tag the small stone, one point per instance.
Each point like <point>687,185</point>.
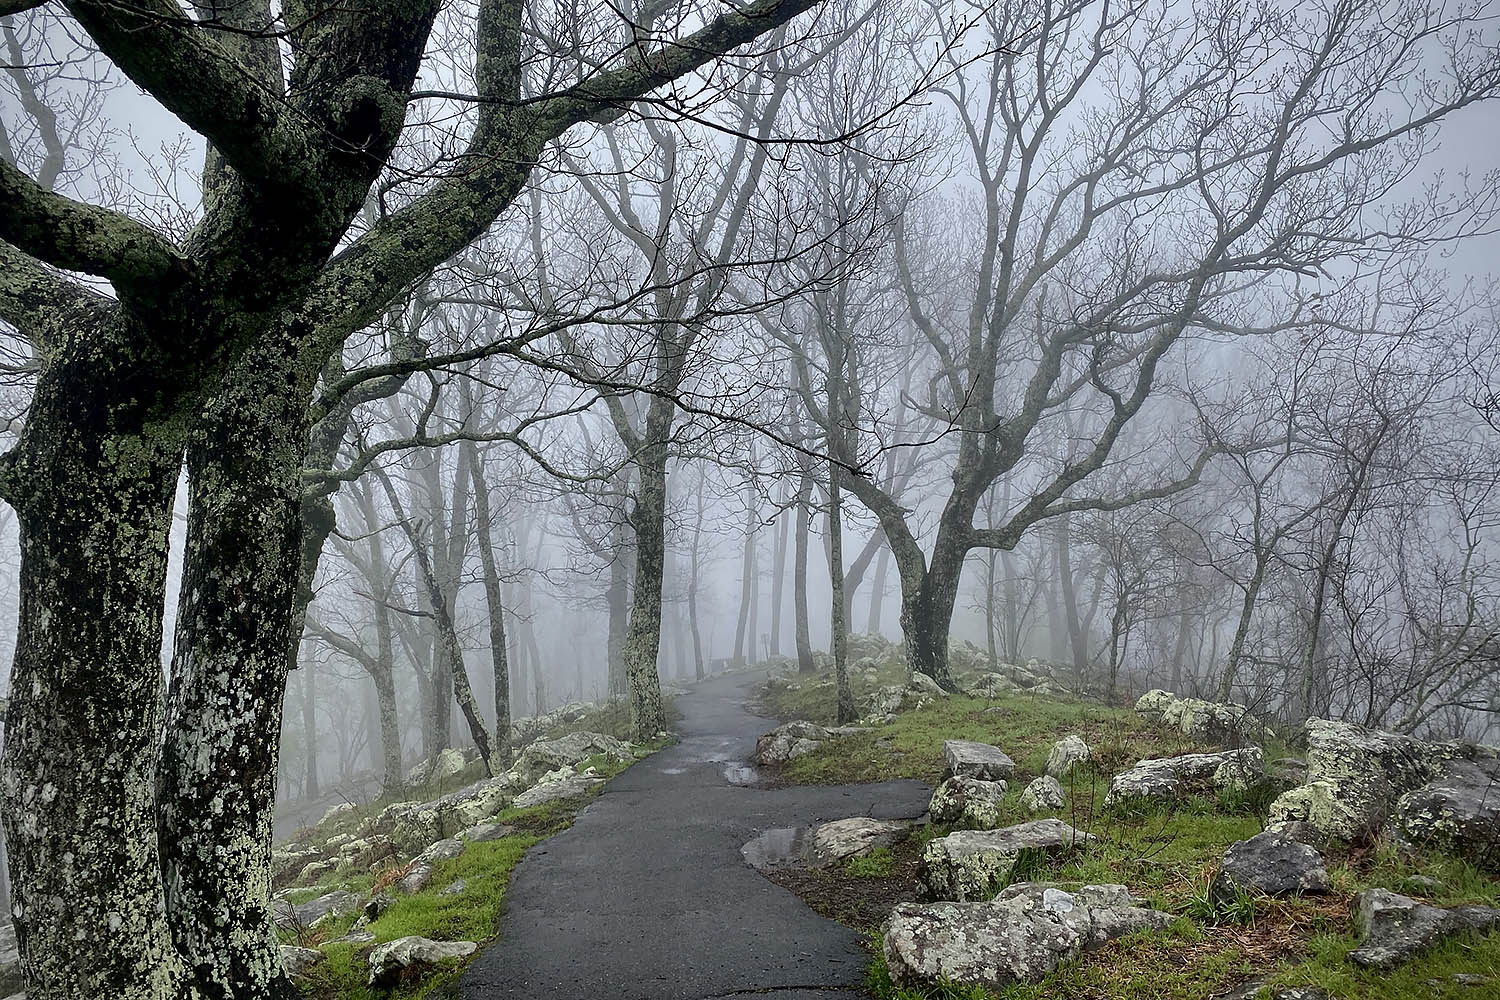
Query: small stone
<point>1042,795</point>
<point>483,833</point>
<point>1066,752</point>
<point>376,905</point>
<point>416,880</point>
<point>1394,927</point>
<point>443,850</point>
<point>454,888</point>
<point>853,837</point>
<point>296,961</point>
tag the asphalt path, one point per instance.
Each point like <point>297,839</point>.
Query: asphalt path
<point>646,896</point>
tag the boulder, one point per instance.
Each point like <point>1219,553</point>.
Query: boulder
<point>1042,795</point>
<point>1271,863</point>
<point>1172,777</point>
<point>1355,777</point>
<point>1458,811</point>
<point>567,751</point>
<point>789,741</point>
<point>483,833</point>
<point>391,960</point>
<point>1152,706</point>
<point>1065,753</point>
<point>416,878</point>
<point>361,855</point>
<point>970,865</point>
<point>286,864</point>
<point>853,837</point>
<point>884,701</point>
<point>969,802</point>
<point>1023,934</point>
<point>1217,722</point>
<point>443,850</point>
<point>992,685</point>
<point>967,759</point>
<point>923,684</point>
<point>1394,927</point>
<point>314,911</point>
<point>315,871</point>
<point>576,787</point>
<point>376,906</point>
<point>296,961</point>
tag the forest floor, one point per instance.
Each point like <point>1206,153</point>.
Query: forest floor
<point>1168,855</point>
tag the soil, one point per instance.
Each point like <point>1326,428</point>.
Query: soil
<point>859,901</point>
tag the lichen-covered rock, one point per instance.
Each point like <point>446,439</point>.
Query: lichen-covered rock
<point>309,914</point>
<point>361,855</point>
<point>853,837</point>
<point>1219,722</point>
<point>1026,932</point>
<point>455,888</point>
<point>1066,752</point>
<point>967,759</point>
<point>390,960</point>
<point>416,879</point>
<point>575,787</point>
<point>287,864</point>
<point>1458,811</point>
<point>335,811</point>
<point>376,905</point>
<point>443,765</point>
<point>483,833</point>
<point>1270,863</point>
<point>567,751</point>
<point>884,701</point>
<point>315,871</point>
<point>789,741</point>
<point>296,961</point>
<point>1043,795</point>
<point>442,850</point>
<point>1173,777</point>
<point>968,802</point>
<point>970,865</point>
<point>1393,928</point>
<point>1354,778</point>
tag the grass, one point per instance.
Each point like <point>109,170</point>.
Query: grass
<point>1166,853</point>
<point>471,915</point>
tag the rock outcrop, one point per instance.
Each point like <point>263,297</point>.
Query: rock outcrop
<point>567,751</point>
<point>969,865</point>
<point>1394,928</point>
<point>574,786</point>
<point>1219,722</point>
<point>1173,777</point>
<point>1027,931</point>
<point>1360,781</point>
<point>1270,863</point>
<point>309,914</point>
<point>968,802</point>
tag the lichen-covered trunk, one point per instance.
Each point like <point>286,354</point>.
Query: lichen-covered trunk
<point>643,638</point>
<point>92,481</point>
<point>217,780</point>
<point>617,598</point>
<point>927,615</point>
<point>805,664</point>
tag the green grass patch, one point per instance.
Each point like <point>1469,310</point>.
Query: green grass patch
<point>879,863</point>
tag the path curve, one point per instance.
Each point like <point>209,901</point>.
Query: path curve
<point>646,896</point>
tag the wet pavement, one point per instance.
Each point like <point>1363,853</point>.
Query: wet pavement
<point>647,895</point>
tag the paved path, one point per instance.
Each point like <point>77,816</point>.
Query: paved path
<point>646,896</point>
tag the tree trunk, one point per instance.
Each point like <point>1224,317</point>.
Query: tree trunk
<point>840,639</point>
<point>989,611</point>
<point>778,590</point>
<point>310,788</point>
<point>217,780</point>
<point>805,663</point>
<point>692,595</point>
<point>927,614</point>
<point>643,640</point>
<point>493,600</point>
<point>1076,638</point>
<point>747,576</point>
<point>92,481</point>
<point>1242,630</point>
<point>617,598</point>
<point>877,593</point>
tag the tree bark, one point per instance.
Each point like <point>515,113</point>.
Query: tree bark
<point>494,600</point>
<point>747,576</point>
<point>846,713</point>
<point>778,590</point>
<point>648,519</point>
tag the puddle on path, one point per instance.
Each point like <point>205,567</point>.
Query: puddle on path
<point>742,774</point>
<point>781,847</point>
